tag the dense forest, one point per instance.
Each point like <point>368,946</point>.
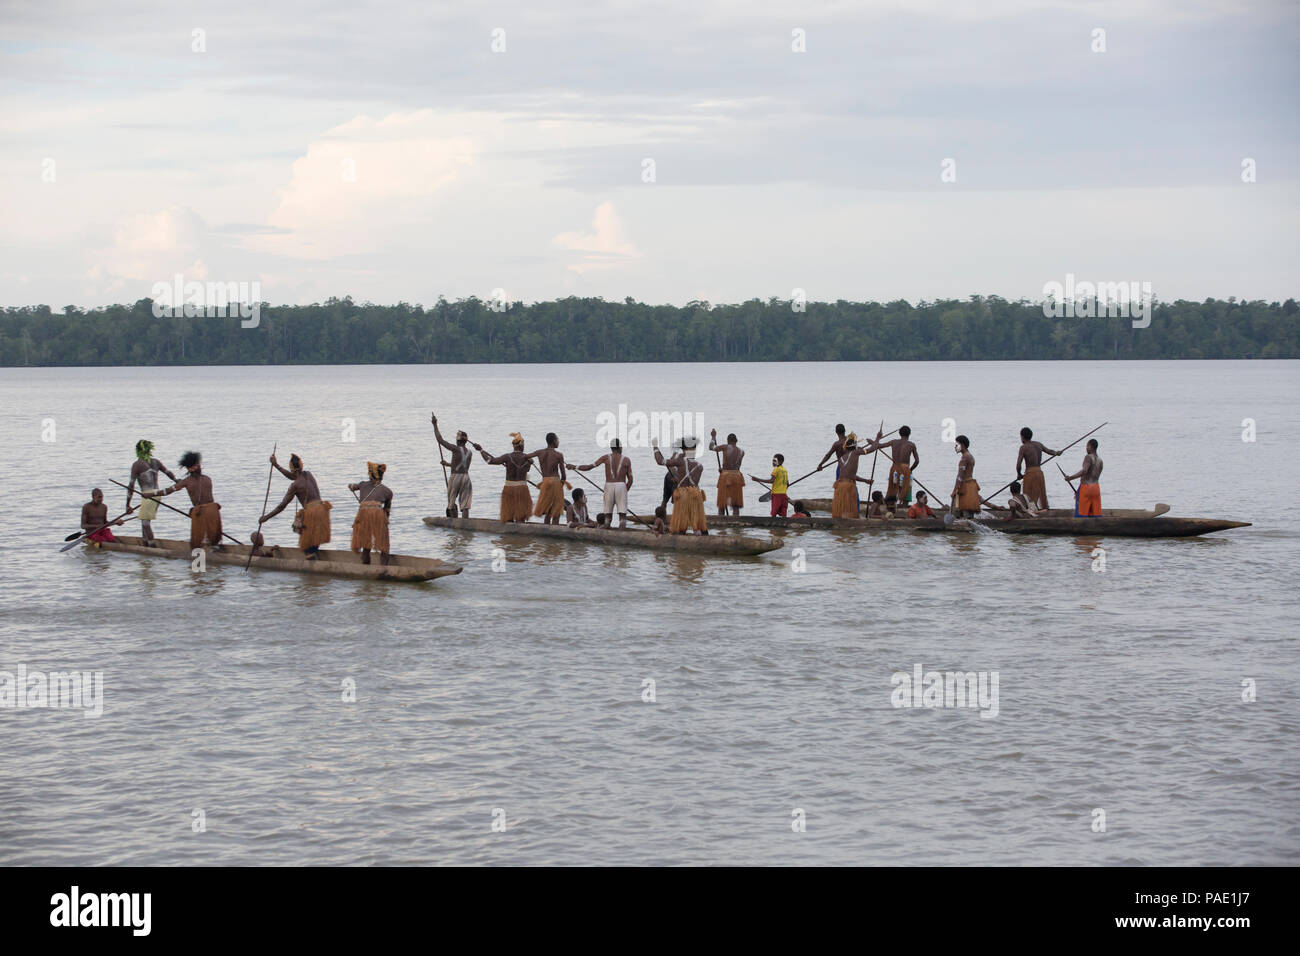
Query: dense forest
<point>341,331</point>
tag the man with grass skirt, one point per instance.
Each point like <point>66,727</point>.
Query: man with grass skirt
<point>312,521</point>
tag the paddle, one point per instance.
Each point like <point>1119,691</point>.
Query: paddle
<point>75,538</point>
<point>1072,488</point>
<point>265,500</point>
<point>186,514</point>
<point>446,480</point>
<point>1048,458</point>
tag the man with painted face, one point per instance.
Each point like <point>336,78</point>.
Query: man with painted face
<point>618,482</point>
<point>145,470</point>
<point>731,483</point>
<point>965,490</point>
<point>312,522</point>
<point>460,490</point>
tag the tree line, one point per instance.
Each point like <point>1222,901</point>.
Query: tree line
<point>343,332</point>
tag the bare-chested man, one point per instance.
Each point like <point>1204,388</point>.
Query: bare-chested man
<point>205,513</point>
<point>1029,467</point>
<point>1018,503</point>
<point>145,470</point>
<point>903,459</point>
<point>550,498</point>
<point>731,483</point>
<point>1088,504</point>
<point>618,482</point>
<point>94,518</point>
<point>516,499</point>
<point>312,521</point>
<point>688,497</point>
<point>576,512</point>
<point>835,452</point>
<point>846,504</point>
<point>965,490</point>
<point>370,527</point>
<point>460,490</point>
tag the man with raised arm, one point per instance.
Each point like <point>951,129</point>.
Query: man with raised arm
<point>145,470</point>
<point>618,482</point>
<point>688,497</point>
<point>516,499</point>
<point>312,520</point>
<point>731,483</point>
<point>460,490</point>
<point>550,499</point>
<point>903,459</point>
<point>846,503</point>
<point>1029,468</point>
<point>205,515</point>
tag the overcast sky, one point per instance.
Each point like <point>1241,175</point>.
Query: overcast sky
<point>386,152</point>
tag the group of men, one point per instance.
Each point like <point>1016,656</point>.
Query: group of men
<point>311,519</point>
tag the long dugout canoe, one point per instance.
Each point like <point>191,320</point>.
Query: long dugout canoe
<point>824,504</point>
<point>720,544</point>
<point>1102,526</point>
<point>345,564</point>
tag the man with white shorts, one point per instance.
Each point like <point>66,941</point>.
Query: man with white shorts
<point>618,481</point>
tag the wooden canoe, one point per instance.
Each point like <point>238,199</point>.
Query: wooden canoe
<point>1102,526</point>
<point>400,567</point>
<point>824,504</point>
<point>720,544</point>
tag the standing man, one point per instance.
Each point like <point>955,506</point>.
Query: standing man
<point>731,483</point>
<point>312,522</point>
<point>618,482</point>
<point>516,499</point>
<point>205,513</point>
<point>780,486</point>
<point>965,490</point>
<point>688,497</point>
<point>903,459</point>
<point>550,499</point>
<point>1088,504</point>
<point>846,504</point>
<point>460,490</point>
<point>837,449</point>
<point>1029,467</point>
<point>145,470</point>
<point>370,527</point>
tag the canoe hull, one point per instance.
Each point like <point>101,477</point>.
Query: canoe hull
<point>1110,527</point>
<point>344,564</point>
<point>824,504</point>
<point>715,544</point>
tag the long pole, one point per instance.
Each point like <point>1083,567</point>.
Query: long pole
<point>1048,458</point>
<point>270,470</point>
<point>185,514</point>
<point>584,477</point>
<point>76,539</point>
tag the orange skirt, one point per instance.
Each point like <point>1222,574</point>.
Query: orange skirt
<point>845,503</point>
<point>969,498</point>
<point>1089,501</point>
<point>315,524</point>
<point>516,502</point>
<point>550,500</point>
<point>370,528</point>
<point>205,524</point>
<point>731,490</point>
<point>1034,487</point>
<point>688,511</point>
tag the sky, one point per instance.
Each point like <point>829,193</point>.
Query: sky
<point>674,151</point>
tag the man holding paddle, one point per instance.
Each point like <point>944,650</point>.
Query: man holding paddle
<point>312,522</point>
<point>550,496</point>
<point>94,519</point>
<point>1088,502</point>
<point>731,483</point>
<point>370,527</point>
<point>205,513</point>
<point>618,482</point>
<point>145,470</point>
<point>688,497</point>
<point>1031,458</point>
<point>903,459</point>
<point>460,490</point>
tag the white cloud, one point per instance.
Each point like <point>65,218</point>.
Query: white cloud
<point>604,247</point>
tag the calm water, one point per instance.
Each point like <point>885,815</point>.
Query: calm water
<point>522,690</point>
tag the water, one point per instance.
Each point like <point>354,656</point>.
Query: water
<point>521,691</point>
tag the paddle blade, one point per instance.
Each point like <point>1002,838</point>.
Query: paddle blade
<point>765,497</point>
<point>69,547</point>
<point>78,534</point>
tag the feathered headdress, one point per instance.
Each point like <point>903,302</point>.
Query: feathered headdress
<point>191,459</point>
<point>376,470</point>
<point>144,449</point>
<point>295,463</point>
<point>517,439</point>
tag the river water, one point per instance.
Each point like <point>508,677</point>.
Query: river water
<point>517,697</point>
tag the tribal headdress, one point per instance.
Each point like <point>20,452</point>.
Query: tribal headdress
<point>517,439</point>
<point>295,463</point>
<point>191,459</point>
<point>376,470</point>
<point>144,449</point>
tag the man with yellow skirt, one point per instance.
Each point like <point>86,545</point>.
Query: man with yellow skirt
<point>312,522</point>
<point>966,490</point>
<point>205,515</point>
<point>688,496</point>
<point>370,527</point>
<point>550,499</point>
<point>845,504</point>
<point>731,483</point>
<point>516,500</point>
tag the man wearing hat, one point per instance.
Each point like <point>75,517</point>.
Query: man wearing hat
<point>845,504</point>
<point>370,527</point>
<point>618,482</point>
<point>688,496</point>
<point>145,470</point>
<point>516,499</point>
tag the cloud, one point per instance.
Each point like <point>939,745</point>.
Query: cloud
<point>154,245</point>
<point>604,247</point>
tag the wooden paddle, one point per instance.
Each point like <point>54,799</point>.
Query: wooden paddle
<point>1072,488</point>
<point>186,514</point>
<point>768,496</point>
<point>75,538</point>
<point>265,500</point>
<point>1047,459</point>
